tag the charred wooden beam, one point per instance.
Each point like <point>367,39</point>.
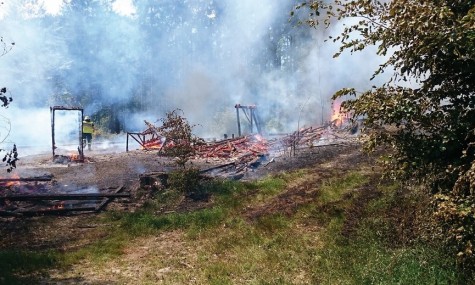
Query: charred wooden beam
<point>106,200</point>
<point>9,214</point>
<point>219,167</point>
<point>64,196</point>
<point>138,137</point>
<point>27,179</point>
<point>53,211</point>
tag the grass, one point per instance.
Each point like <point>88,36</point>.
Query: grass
<point>333,189</point>
<point>13,264</point>
<point>144,222</point>
<point>220,246</point>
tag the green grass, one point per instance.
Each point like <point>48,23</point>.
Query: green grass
<point>367,261</point>
<point>144,222</point>
<point>304,248</point>
<point>276,250</point>
<point>333,189</point>
<point>15,263</point>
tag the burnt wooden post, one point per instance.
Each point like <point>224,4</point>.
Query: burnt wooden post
<point>250,114</point>
<point>52,130</point>
<point>127,142</point>
<point>237,106</point>
<point>81,142</point>
<point>251,111</point>
<point>256,122</point>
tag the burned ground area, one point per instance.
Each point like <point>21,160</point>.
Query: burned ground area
<point>69,230</point>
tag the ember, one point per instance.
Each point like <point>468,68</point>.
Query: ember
<point>10,182</point>
<point>75,157</point>
<point>338,117</point>
<point>17,204</point>
<point>65,159</point>
<point>148,139</point>
<point>154,143</point>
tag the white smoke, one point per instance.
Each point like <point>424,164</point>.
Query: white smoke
<point>199,56</point>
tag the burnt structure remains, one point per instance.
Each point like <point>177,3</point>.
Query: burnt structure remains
<point>80,148</point>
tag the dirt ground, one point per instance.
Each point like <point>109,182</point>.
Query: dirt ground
<point>103,170</point>
<point>111,170</point>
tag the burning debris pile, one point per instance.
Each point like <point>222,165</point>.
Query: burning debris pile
<point>238,155</point>
<point>236,149</point>
<point>234,157</point>
<point>318,136</point>
<point>28,196</point>
<point>71,158</point>
<point>149,139</point>
<point>304,137</point>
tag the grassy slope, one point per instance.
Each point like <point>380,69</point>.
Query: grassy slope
<point>304,227</point>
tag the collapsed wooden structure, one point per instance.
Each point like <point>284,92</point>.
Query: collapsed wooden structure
<point>147,139</point>
<point>32,200</point>
<point>251,145</point>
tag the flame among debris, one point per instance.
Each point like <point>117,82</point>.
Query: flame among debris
<point>154,143</point>
<point>57,206</point>
<point>339,117</point>
<point>75,157</point>
<point>11,181</point>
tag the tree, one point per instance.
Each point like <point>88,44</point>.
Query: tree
<point>179,139</point>
<point>180,143</point>
<point>424,115</point>
<point>11,156</point>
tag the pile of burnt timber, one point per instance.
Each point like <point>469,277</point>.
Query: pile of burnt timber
<point>48,203</point>
<point>237,155</point>
<point>305,136</point>
<point>242,149</point>
<point>315,136</point>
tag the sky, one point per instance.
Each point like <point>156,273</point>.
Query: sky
<point>201,56</point>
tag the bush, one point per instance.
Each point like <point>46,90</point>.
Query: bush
<point>187,181</point>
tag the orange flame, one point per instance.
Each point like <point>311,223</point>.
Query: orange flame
<point>153,144</point>
<point>338,116</point>
<point>74,157</point>
<point>13,182</point>
<point>58,206</point>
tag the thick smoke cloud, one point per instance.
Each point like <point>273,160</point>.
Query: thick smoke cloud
<point>143,58</point>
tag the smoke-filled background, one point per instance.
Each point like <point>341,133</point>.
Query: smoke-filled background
<point>127,61</point>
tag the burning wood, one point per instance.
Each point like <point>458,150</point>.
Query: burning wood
<point>46,177</point>
<point>63,196</point>
<point>149,139</point>
<point>65,159</point>
<point>248,152</point>
<point>236,148</point>
<point>242,149</point>
<point>34,204</point>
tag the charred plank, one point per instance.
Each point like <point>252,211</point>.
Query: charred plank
<point>64,196</point>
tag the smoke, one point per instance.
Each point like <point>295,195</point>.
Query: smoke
<point>140,59</point>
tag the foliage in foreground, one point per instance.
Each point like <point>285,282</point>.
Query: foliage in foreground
<point>11,156</point>
<point>424,115</point>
